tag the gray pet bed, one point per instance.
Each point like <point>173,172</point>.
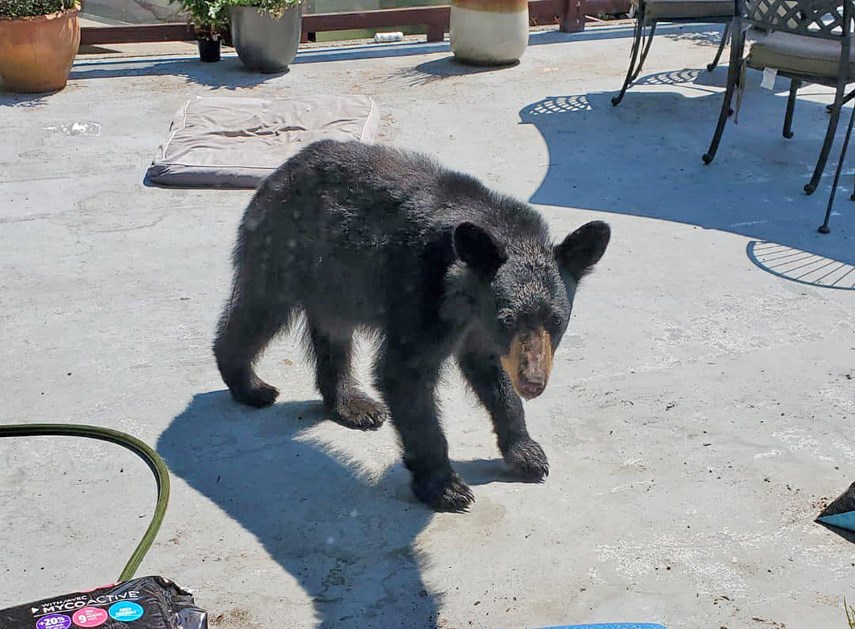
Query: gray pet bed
<point>235,142</point>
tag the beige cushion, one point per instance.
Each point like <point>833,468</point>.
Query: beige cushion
<point>799,54</point>
<point>685,9</point>
<point>236,141</point>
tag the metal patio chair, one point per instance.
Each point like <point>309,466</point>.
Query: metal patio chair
<point>651,12</point>
<point>824,228</point>
<point>804,40</point>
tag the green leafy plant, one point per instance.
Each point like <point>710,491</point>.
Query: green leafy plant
<point>208,17</point>
<point>850,614</point>
<point>273,8</point>
<point>33,8</point>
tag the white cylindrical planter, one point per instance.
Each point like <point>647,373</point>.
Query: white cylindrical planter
<point>489,32</point>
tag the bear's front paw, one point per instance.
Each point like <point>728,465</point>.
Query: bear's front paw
<point>527,460</point>
<point>359,411</point>
<point>448,493</point>
<point>256,393</point>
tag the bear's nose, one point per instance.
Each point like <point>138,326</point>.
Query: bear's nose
<point>530,390</point>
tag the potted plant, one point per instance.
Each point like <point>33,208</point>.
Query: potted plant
<point>265,33</point>
<point>209,19</point>
<point>38,42</point>
<point>488,32</point>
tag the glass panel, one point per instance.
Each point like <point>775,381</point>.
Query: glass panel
<point>343,6</point>
<point>157,11</point>
<point>119,12</point>
<point>123,12</point>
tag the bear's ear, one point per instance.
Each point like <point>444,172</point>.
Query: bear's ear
<point>582,249</point>
<point>478,250</point>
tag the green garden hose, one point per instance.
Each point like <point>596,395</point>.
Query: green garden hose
<point>145,452</point>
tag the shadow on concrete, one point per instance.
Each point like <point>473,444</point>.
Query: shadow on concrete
<point>13,99</point>
<point>229,73</point>
<point>800,266</point>
<point>707,34</point>
<point>710,36</point>
<point>439,69</point>
<point>379,51</point>
<point>643,158</point>
<point>348,539</point>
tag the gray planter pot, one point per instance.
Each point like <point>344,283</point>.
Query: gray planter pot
<point>263,43</point>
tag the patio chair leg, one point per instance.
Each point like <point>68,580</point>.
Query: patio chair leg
<point>824,229</point>
<point>846,99</point>
<point>722,120</point>
<point>724,37</point>
<point>645,51</point>
<point>795,84</point>
<point>810,187</point>
<point>733,71</point>
<point>633,55</point>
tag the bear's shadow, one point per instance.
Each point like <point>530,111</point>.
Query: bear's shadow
<point>348,540</point>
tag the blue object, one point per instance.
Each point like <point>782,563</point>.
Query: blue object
<point>841,512</point>
<point>619,625</point>
<point>840,520</point>
<point>126,611</point>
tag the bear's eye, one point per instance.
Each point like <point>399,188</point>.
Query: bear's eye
<point>556,320</point>
<point>507,319</point>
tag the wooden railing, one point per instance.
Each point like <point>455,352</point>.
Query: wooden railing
<point>569,14</point>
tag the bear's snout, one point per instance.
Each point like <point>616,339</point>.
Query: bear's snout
<point>530,390</point>
<point>529,362</point>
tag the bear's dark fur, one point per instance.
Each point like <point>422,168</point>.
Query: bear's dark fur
<point>360,236</point>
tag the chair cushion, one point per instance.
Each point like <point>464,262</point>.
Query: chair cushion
<point>685,9</point>
<point>799,54</point>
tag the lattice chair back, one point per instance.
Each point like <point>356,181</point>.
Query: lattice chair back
<point>826,19</point>
<point>767,15</point>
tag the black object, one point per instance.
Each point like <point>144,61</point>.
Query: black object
<point>824,228</point>
<point>209,50</point>
<point>145,603</point>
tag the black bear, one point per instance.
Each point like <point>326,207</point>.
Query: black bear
<point>359,236</point>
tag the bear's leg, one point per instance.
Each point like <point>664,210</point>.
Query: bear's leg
<point>408,384</point>
<point>495,391</point>
<point>350,406</point>
<point>247,325</point>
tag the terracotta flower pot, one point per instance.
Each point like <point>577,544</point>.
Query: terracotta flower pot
<point>36,53</point>
<point>489,32</point>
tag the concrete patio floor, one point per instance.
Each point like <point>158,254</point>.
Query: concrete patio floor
<point>700,413</point>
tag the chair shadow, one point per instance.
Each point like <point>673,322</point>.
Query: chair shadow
<point>346,538</point>
<point>710,36</point>
<point>698,79</point>
<point>643,158</point>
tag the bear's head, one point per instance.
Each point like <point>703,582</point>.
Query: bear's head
<point>523,292</point>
